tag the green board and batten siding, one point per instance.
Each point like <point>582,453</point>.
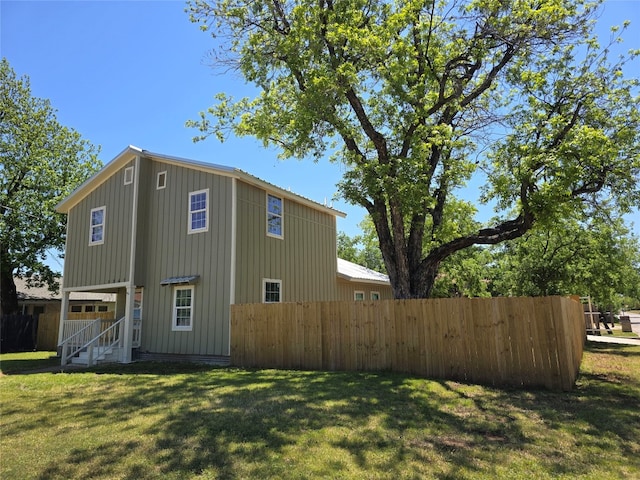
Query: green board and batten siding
<point>304,259</point>
<point>107,263</point>
<point>171,251</point>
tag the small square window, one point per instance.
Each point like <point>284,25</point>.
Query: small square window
<point>274,216</point>
<point>96,229</point>
<point>358,295</point>
<point>161,181</point>
<point>198,211</point>
<point>272,290</point>
<point>76,308</point>
<point>128,175</point>
<point>103,308</point>
<point>375,295</point>
<point>89,308</point>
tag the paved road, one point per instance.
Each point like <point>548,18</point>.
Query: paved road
<point>635,326</point>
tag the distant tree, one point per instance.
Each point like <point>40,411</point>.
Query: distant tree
<point>416,98</point>
<point>361,249</point>
<point>41,162</point>
<point>465,274</point>
<point>599,258</point>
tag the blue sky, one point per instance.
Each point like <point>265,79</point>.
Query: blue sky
<point>133,72</point>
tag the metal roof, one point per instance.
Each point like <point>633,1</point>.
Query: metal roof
<point>132,151</point>
<point>184,279</point>
<point>357,273</point>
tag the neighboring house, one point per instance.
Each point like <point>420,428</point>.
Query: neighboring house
<point>178,241</point>
<point>356,282</point>
<point>36,300</point>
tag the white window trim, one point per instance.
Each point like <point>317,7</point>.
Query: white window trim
<point>269,234</point>
<point>206,210</point>
<point>164,184</point>
<point>174,316</point>
<point>128,175</point>
<point>355,295</point>
<point>264,289</point>
<point>103,224</point>
<point>372,293</point>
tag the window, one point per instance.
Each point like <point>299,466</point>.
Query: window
<point>137,304</point>
<point>375,295</point>
<point>89,308</point>
<point>274,216</point>
<point>103,308</point>
<point>272,290</point>
<point>199,211</point>
<point>76,308</point>
<point>358,295</point>
<point>182,308</point>
<point>128,175</point>
<point>96,231</point>
<point>161,180</point>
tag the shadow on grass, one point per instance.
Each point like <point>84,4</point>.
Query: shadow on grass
<point>21,366</point>
<point>233,423</point>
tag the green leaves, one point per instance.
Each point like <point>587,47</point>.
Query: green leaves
<point>416,97</point>
<point>41,162</point>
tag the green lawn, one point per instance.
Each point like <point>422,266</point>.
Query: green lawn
<point>181,421</point>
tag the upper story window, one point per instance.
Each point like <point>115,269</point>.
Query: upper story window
<point>358,295</point>
<point>161,180</point>
<point>199,211</point>
<point>96,229</point>
<point>274,216</point>
<point>375,295</point>
<point>128,175</point>
<point>272,290</point>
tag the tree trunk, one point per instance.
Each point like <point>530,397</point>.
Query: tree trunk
<point>8,294</point>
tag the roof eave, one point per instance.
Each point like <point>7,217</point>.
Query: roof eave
<point>90,184</point>
<point>363,280</point>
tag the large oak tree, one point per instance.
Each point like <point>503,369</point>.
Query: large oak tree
<point>41,162</point>
<point>416,97</point>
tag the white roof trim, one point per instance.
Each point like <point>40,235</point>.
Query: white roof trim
<point>353,272</point>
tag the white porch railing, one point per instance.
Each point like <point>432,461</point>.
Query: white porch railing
<point>95,336</point>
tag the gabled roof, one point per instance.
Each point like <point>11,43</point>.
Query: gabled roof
<point>43,294</point>
<point>131,152</point>
<point>353,272</point>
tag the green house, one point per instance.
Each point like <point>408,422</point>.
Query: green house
<point>179,241</point>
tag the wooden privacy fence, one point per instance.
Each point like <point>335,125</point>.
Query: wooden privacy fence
<point>495,341</point>
<point>49,323</point>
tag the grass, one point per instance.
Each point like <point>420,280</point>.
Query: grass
<point>183,421</point>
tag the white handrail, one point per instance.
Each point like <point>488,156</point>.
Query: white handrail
<point>78,340</point>
<point>104,340</point>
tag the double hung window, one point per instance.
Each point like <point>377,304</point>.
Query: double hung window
<point>274,216</point>
<point>199,211</point>
<point>183,308</point>
<point>96,229</point>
